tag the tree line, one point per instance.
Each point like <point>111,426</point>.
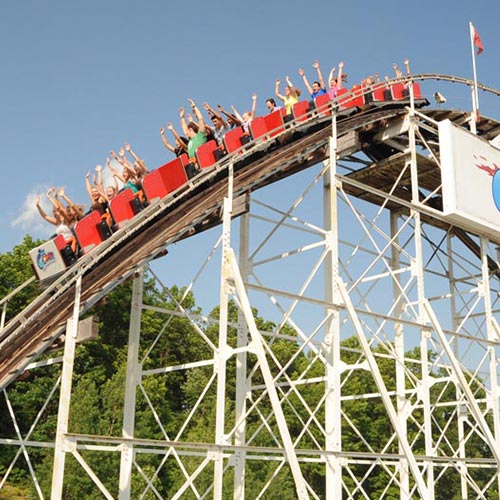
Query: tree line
<point>164,404</point>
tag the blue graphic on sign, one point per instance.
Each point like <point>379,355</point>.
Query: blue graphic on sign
<point>44,259</point>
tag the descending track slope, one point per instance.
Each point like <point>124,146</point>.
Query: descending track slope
<point>199,205</point>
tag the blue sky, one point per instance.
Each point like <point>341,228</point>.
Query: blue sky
<point>81,78</point>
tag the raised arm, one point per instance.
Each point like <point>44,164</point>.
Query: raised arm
<point>77,210</point>
<point>52,197</point>
<point>122,160</point>
<point>116,157</point>
<point>254,104</point>
<point>120,177</point>
<point>212,111</point>
<point>232,116</point>
<point>131,172</point>
<point>113,173</point>
<point>306,81</point>
<point>65,197</point>
<point>237,114</point>
<point>141,166</point>
<point>125,163</point>
<point>277,90</point>
<point>199,116</point>
<point>340,74</point>
<point>99,185</point>
<point>165,141</point>
<point>88,184</point>
<point>331,75</point>
<point>129,149</point>
<point>42,212</point>
<point>294,91</point>
<point>116,174</point>
<point>56,202</point>
<point>407,66</point>
<point>182,116</point>
<point>320,75</point>
<point>101,192</point>
<point>181,141</point>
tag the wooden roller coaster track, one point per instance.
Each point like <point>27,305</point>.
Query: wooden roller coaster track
<point>198,206</point>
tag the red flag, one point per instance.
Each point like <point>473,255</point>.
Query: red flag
<point>477,41</point>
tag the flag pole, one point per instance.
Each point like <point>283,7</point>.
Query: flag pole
<point>475,97</point>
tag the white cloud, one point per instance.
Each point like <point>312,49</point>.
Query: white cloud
<point>28,218</point>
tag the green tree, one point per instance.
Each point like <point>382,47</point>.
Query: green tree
<point>164,401</point>
<point>15,269</point>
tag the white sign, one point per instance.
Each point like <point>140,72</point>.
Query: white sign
<point>471,180</point>
<point>47,260</point>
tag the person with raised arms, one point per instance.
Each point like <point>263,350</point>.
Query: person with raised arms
<point>318,86</point>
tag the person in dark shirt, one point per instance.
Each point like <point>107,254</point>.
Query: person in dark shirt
<point>98,202</point>
<point>232,120</point>
<point>180,146</point>
<point>271,105</point>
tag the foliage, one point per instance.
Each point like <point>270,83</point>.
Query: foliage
<point>16,269</point>
<point>170,406</point>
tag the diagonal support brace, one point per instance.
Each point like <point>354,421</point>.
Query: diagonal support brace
<point>386,399</point>
<point>464,386</point>
<point>290,454</point>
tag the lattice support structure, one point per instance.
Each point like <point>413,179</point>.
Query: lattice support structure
<point>62,445</point>
<point>131,383</point>
<point>376,374</point>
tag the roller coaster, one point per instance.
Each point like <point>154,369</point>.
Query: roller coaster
<point>379,153</point>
